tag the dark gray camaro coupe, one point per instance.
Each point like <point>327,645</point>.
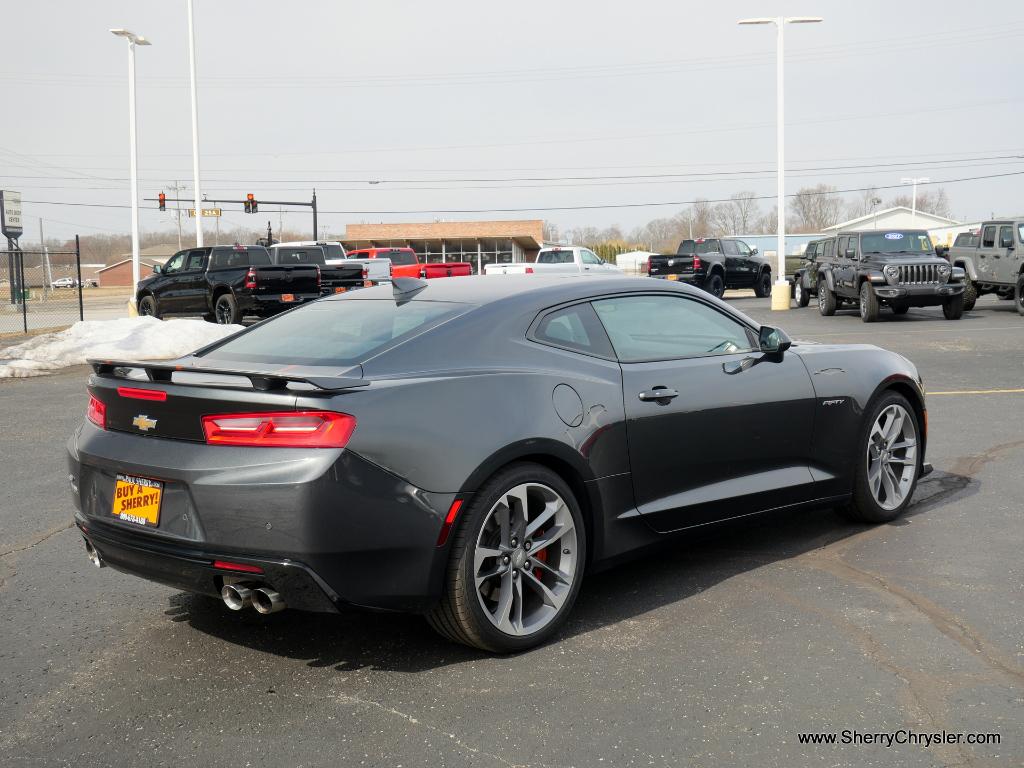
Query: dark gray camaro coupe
<point>468,448</point>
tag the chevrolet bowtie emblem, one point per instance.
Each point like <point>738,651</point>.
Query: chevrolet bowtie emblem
<point>143,422</point>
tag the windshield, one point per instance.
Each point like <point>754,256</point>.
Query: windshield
<point>401,258</point>
<point>899,241</point>
<point>698,246</point>
<point>1020,233</point>
<point>333,251</point>
<point>300,255</point>
<point>554,257</point>
<point>335,333</point>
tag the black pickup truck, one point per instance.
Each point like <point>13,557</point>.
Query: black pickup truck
<point>224,283</point>
<point>714,264</point>
<point>334,278</point>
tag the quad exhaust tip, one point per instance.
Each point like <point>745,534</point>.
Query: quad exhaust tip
<point>266,600</point>
<point>236,596</point>
<point>94,555</point>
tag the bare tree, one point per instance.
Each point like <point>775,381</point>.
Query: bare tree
<point>815,208</point>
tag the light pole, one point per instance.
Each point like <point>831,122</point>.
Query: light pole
<point>780,290</point>
<point>133,40</point>
<point>196,190</point>
<point>913,194</point>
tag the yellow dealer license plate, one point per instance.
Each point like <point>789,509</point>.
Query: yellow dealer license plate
<point>137,500</point>
<point>287,297</point>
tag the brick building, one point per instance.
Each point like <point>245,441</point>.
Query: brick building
<point>118,271</point>
<point>478,242</point>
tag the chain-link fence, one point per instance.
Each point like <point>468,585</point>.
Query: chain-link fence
<point>39,290</point>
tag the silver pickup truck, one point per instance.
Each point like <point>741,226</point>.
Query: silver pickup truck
<point>556,260</point>
<point>993,260</point>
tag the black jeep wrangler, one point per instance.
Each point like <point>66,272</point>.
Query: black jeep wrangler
<point>898,269</point>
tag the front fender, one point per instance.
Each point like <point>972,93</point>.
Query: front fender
<point>967,265</point>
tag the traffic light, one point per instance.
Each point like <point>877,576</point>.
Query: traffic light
<point>163,201</point>
<point>251,205</point>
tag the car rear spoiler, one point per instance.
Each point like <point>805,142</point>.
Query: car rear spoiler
<point>262,380</point>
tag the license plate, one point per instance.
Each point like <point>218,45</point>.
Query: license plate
<point>340,290</point>
<point>287,297</point>
<point>671,277</point>
<point>137,500</point>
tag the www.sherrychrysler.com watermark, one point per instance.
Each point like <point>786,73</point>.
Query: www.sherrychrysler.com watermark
<point>890,739</point>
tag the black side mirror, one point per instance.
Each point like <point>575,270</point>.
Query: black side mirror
<point>753,251</point>
<point>773,340</point>
<point>157,269</point>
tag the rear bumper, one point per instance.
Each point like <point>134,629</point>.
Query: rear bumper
<point>272,304</point>
<point>692,278</point>
<point>334,528</point>
<point>919,295</point>
<point>191,570</point>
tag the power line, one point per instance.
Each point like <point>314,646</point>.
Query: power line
<point>579,207</point>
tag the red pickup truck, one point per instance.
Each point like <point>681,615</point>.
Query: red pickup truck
<point>405,262</point>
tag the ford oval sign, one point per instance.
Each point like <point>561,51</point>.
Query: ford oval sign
<point>893,235</point>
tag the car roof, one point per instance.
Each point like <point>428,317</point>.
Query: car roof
<point>538,290</point>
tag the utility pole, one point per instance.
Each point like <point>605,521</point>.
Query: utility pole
<point>913,195</point>
<point>178,189</point>
<point>47,271</point>
<point>316,230</point>
<point>196,190</point>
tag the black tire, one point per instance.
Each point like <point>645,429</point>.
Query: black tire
<point>900,309</point>
<point>715,285</point>
<point>953,308</point>
<point>763,284</point>
<point>801,295</point>
<point>225,310</point>
<point>1018,295</point>
<point>148,307</point>
<point>868,303</point>
<point>826,298</point>
<point>863,507</point>
<point>970,294</point>
<point>459,616</point>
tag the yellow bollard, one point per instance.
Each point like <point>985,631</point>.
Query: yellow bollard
<point>132,310</point>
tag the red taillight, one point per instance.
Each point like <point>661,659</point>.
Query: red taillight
<point>366,272</point>
<point>449,521</point>
<point>224,565</point>
<point>529,270</point>
<point>696,262</point>
<point>288,429</point>
<point>142,394</point>
<point>97,412</point>
<point>250,278</point>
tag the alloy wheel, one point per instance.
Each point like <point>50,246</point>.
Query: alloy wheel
<point>223,312</point>
<point>892,456</point>
<point>798,292</point>
<point>525,560</point>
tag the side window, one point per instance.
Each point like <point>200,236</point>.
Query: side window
<point>575,327</point>
<point>729,248</point>
<point>196,260</point>
<point>988,237</point>
<point>1006,237</point>
<point>589,257</point>
<point>744,249</point>
<point>669,327</point>
<point>174,263</point>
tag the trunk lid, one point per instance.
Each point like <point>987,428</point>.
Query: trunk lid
<point>278,279</point>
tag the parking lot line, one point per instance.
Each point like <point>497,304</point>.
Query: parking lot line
<point>979,392</point>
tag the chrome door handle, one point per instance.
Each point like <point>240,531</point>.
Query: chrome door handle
<point>658,394</point>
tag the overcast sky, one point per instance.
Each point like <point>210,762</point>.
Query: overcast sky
<point>419,94</point>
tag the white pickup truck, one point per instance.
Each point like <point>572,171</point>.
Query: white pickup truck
<point>557,260</point>
<point>377,270</point>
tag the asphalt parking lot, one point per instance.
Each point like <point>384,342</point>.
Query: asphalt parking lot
<point>717,651</point>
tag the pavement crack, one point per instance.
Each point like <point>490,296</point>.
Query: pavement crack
<point>39,540</point>
<point>971,465</point>
<point>944,620</point>
<point>356,701</point>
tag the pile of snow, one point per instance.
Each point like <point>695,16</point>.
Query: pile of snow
<point>130,338</point>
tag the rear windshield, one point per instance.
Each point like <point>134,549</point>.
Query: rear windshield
<point>703,246</point>
<point>554,257</point>
<point>335,333</point>
<point>401,258</point>
<point>897,241</point>
<point>333,251</point>
<point>307,255</point>
<point>239,256</point>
